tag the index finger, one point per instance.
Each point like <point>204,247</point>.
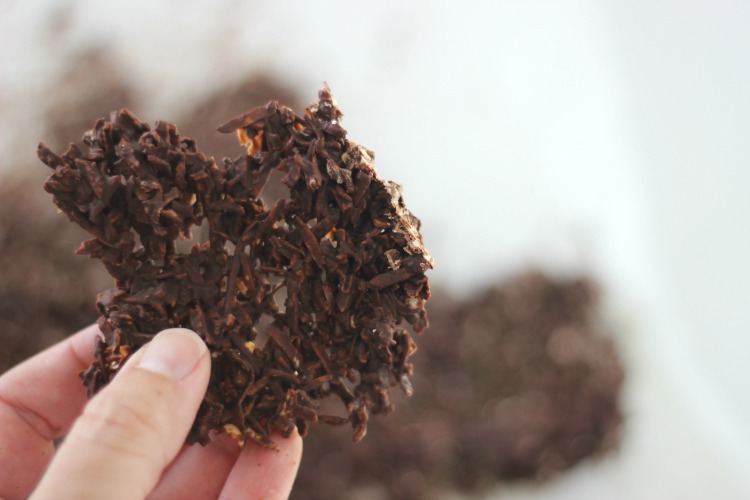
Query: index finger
<point>39,401</point>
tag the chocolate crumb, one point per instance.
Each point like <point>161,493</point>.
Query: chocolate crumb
<point>297,301</point>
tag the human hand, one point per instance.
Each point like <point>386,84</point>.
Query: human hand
<point>128,441</point>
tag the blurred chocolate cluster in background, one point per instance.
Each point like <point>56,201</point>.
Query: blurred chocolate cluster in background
<point>46,291</point>
<point>519,381</point>
<point>515,382</point>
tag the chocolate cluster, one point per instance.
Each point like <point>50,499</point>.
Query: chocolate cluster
<point>297,301</point>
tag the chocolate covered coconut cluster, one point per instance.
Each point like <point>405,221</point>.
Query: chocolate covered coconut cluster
<point>298,301</point>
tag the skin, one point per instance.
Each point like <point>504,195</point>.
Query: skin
<point>128,441</point>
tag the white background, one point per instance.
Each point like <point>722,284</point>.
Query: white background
<point>607,137</point>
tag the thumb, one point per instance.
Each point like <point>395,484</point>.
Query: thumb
<point>132,429</point>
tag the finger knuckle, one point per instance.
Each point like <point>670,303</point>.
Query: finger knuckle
<point>125,422</point>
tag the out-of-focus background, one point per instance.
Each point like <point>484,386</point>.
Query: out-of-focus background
<point>577,138</point>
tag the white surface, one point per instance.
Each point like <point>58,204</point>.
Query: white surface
<point>602,136</point>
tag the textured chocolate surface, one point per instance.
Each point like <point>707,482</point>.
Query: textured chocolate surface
<point>296,301</point>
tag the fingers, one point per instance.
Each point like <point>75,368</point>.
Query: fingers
<point>46,389</point>
<point>264,473</point>
<point>198,472</point>
<point>23,455</point>
<point>201,472</point>
<point>39,400</point>
<point>135,426</point>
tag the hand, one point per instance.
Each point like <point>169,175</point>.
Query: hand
<point>128,441</point>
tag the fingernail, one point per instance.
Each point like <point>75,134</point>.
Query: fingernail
<point>173,353</point>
